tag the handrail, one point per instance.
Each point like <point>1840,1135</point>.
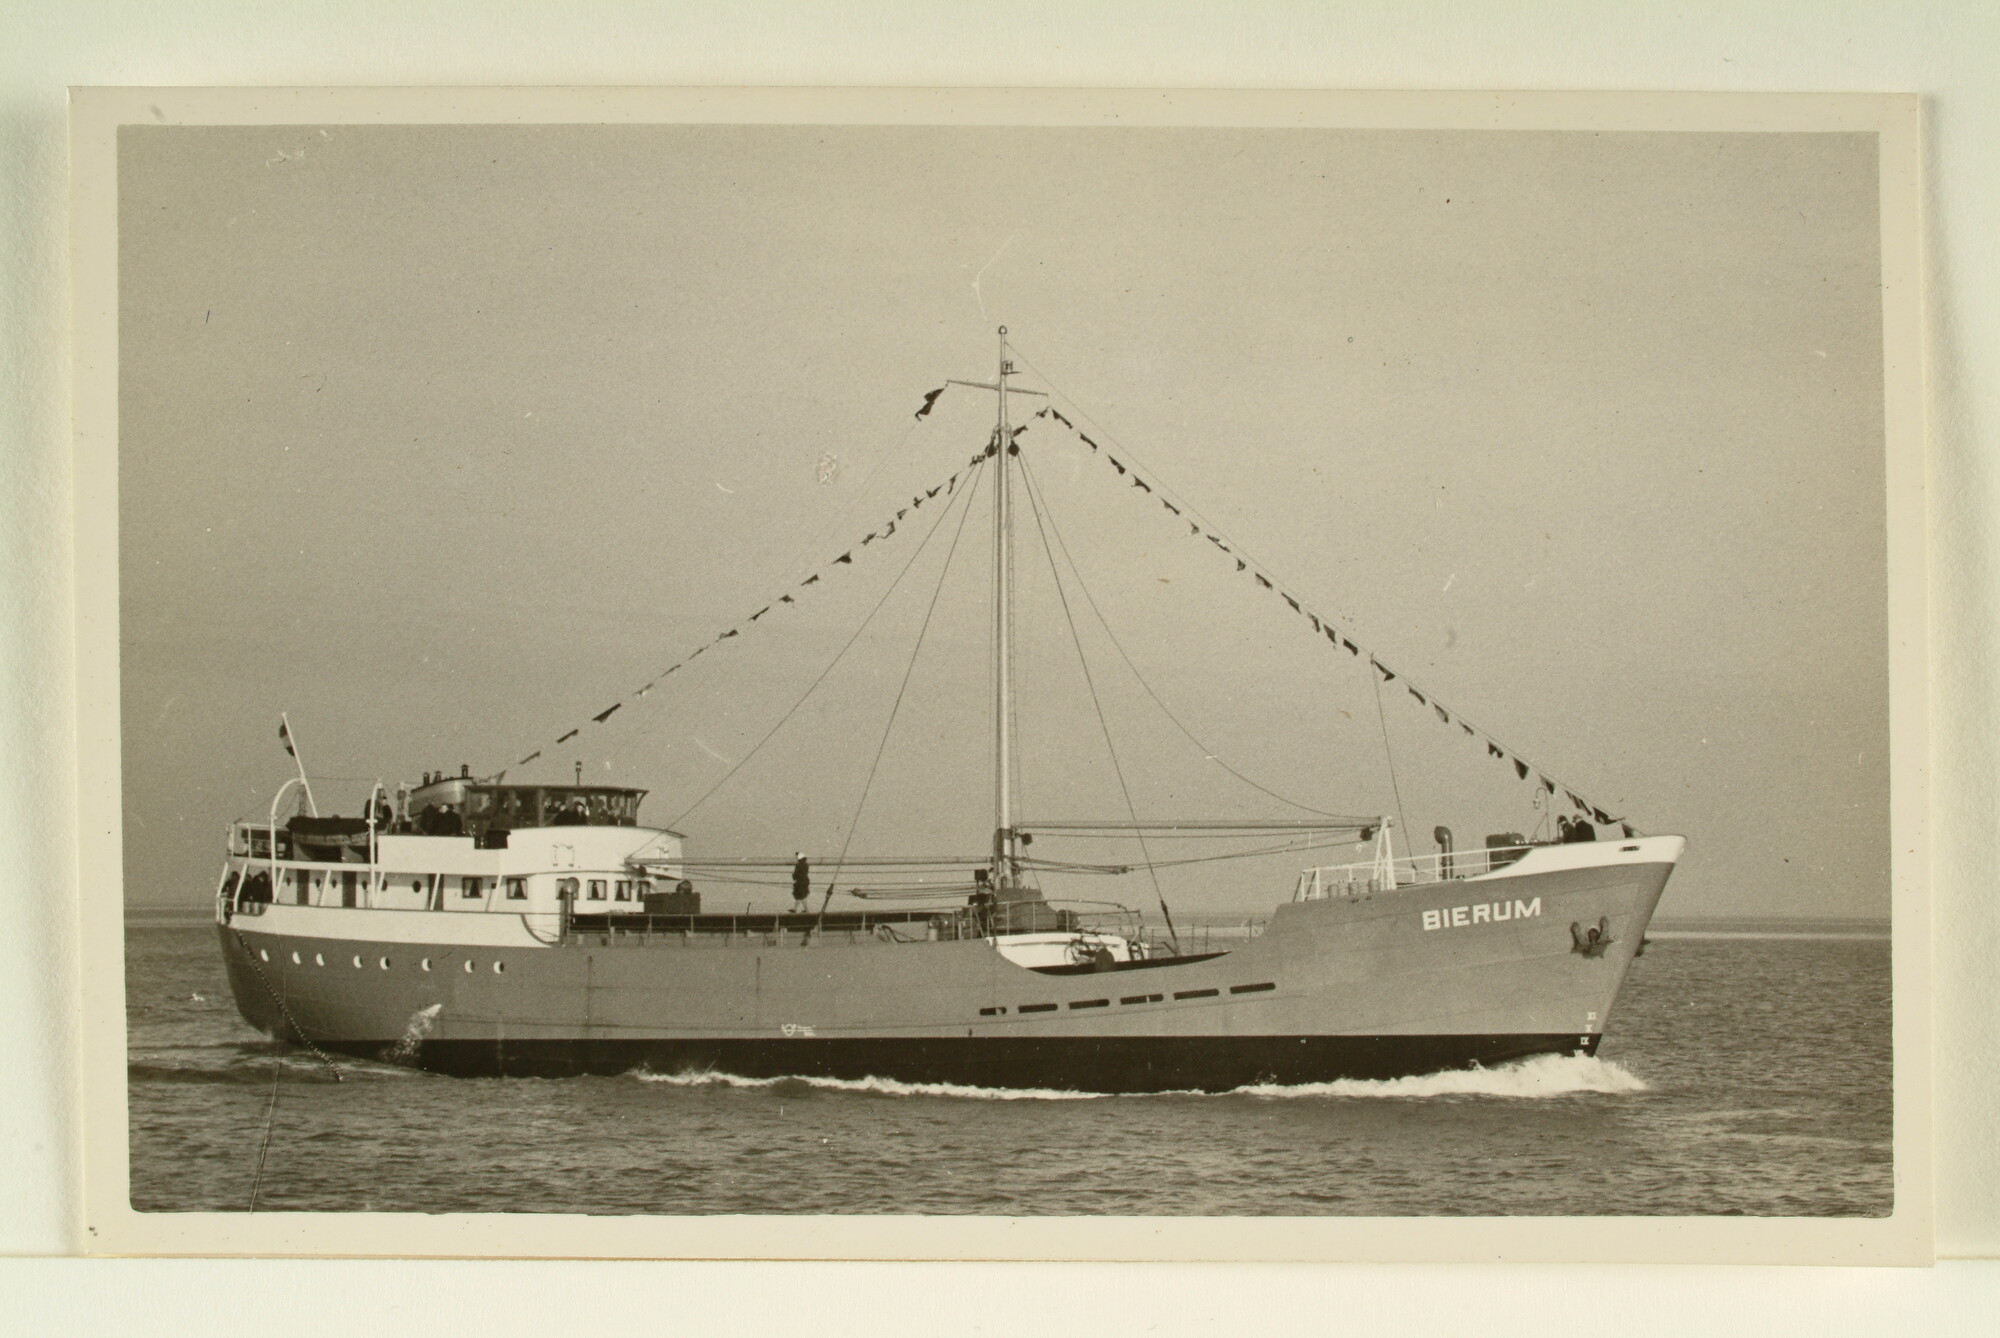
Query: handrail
<point>271,829</point>
<point>1387,871</point>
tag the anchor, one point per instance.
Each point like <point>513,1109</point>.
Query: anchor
<point>1593,941</point>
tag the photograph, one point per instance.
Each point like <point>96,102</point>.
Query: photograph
<point>1223,663</point>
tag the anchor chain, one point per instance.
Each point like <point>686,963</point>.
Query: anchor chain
<point>278,999</point>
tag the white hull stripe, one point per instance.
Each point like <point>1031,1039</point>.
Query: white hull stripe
<point>471,929</point>
<point>1584,855</point>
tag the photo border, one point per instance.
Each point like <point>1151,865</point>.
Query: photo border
<point>111,1226</point>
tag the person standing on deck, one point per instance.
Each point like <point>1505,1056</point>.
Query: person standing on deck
<point>981,902</point>
<point>801,882</point>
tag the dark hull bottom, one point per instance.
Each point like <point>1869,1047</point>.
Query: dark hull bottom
<point>1083,1064</point>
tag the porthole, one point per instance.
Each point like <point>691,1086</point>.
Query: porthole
<point>319,959</point>
<point>425,964</point>
<point>499,968</point>
<point>357,961</point>
<point>264,954</point>
<point>468,966</point>
<point>382,962</point>
<point>295,959</point>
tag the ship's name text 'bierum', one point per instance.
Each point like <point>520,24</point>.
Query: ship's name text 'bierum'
<point>1457,917</point>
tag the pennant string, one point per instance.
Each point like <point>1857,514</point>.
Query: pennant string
<point>883,532</point>
<point>936,524</point>
<point>950,486</point>
<point>1325,625</point>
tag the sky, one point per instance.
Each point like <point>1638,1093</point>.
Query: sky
<point>443,439</point>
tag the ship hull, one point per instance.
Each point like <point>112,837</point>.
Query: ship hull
<point>1414,980</point>
<point>1081,1064</point>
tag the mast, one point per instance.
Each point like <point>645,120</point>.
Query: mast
<point>1003,618</point>
<point>1005,856</point>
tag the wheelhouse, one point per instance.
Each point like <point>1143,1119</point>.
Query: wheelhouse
<point>458,806</point>
<point>518,806</point>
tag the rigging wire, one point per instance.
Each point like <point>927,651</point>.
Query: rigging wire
<point>831,664</point>
<point>1387,752</point>
<point>1031,864</point>
<point>1083,661</point>
<point>277,1066</point>
<point>1108,835</point>
<point>1109,436</point>
<point>1285,849</point>
<point>726,879</point>
<point>908,670</point>
<point>1549,778</point>
<point>270,1122</point>
<point>752,862</point>
<point>601,717</point>
<point>1119,646</point>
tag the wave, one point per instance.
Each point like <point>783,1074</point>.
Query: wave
<point>1539,1077</point>
<point>249,1062</point>
<point>250,1071</point>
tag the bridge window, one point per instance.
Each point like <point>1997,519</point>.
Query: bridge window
<point>645,888</point>
<point>624,889</point>
<point>597,889</point>
<point>1196,994</point>
<point>517,888</point>
<point>471,887</point>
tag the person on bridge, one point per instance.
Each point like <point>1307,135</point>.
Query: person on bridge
<point>801,882</point>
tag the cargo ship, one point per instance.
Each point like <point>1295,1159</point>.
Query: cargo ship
<point>474,926</point>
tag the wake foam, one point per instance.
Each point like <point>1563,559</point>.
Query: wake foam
<point>414,1031</point>
<point>875,1086</point>
<point>1539,1077</point>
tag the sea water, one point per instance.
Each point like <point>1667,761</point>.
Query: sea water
<point>1739,1076</point>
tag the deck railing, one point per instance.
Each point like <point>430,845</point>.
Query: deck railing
<point>1388,871</point>
<point>950,924</point>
